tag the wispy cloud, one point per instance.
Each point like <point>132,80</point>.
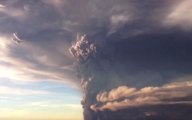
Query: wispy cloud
<point>20,91</point>
<point>21,62</point>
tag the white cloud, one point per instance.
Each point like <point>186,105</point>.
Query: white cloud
<point>181,15</point>
<point>19,13</point>
<point>117,21</point>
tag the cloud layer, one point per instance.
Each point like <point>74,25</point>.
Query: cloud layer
<point>124,97</point>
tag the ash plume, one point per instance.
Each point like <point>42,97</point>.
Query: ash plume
<point>82,49</point>
<point>84,52</point>
<point>131,46</point>
<point>108,95</point>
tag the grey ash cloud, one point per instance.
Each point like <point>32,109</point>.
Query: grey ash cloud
<point>129,44</point>
<point>116,79</point>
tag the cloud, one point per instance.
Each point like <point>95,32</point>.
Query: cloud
<point>125,97</point>
<point>118,21</point>
<point>2,6</point>
<point>27,62</point>
<point>181,15</point>
<point>134,49</point>
<point>47,29</point>
<point>43,53</point>
<point>20,91</point>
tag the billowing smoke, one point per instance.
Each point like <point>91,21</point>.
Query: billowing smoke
<point>83,49</point>
<point>84,52</point>
<point>91,71</point>
<point>109,95</point>
<point>134,63</point>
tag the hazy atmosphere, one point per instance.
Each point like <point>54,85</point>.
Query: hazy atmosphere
<point>95,60</point>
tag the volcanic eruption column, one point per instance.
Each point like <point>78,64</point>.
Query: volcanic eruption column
<point>98,76</point>
<point>87,66</point>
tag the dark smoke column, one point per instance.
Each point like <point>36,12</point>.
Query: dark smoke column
<point>85,54</point>
<point>106,99</point>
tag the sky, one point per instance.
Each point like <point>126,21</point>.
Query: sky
<point>38,100</point>
<point>135,54</point>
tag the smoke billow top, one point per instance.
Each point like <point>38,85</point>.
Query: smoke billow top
<point>83,49</point>
<point>109,96</point>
